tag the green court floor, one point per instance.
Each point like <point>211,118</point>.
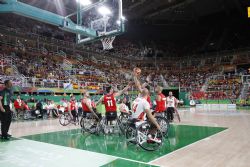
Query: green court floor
<point>116,146</point>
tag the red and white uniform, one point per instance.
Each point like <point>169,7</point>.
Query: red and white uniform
<point>135,103</point>
<point>18,104</point>
<point>72,105</point>
<point>162,104</point>
<point>110,103</point>
<point>93,104</point>
<point>86,102</point>
<point>171,101</point>
<point>25,106</point>
<point>64,107</point>
<point>139,107</point>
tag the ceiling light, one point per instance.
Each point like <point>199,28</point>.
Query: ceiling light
<point>84,2</point>
<point>104,11</point>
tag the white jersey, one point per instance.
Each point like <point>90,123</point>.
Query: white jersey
<point>171,102</point>
<point>135,103</point>
<point>139,107</point>
<point>124,108</point>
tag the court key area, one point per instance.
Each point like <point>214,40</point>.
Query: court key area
<point>74,148</point>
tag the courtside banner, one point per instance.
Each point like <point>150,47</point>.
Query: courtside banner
<point>199,106</point>
<point>231,106</point>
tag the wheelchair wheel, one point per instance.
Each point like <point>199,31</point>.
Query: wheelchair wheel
<point>123,117</point>
<point>104,125</point>
<point>81,121</point>
<point>100,128</point>
<point>88,124</point>
<point>131,135</point>
<point>164,124</point>
<point>121,126</point>
<point>64,119</point>
<point>148,137</point>
<point>14,116</point>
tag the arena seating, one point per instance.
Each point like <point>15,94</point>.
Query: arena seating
<point>36,54</point>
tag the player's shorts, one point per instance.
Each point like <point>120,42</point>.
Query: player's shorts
<point>111,116</point>
<point>170,110</point>
<point>74,113</point>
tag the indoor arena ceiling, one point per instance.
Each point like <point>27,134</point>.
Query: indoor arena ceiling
<point>154,11</point>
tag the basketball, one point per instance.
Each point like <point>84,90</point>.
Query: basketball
<point>137,71</point>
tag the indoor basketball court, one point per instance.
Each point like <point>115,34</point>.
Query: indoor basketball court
<point>124,83</point>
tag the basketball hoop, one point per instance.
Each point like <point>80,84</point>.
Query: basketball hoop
<point>107,42</point>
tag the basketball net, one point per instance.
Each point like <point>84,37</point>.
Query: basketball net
<point>107,43</point>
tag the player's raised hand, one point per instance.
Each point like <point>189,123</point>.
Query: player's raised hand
<point>136,71</point>
<point>148,79</point>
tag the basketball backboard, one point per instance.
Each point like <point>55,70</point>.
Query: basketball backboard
<point>103,16</point>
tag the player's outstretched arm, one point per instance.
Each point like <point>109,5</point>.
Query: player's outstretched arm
<point>138,84</point>
<point>152,119</point>
<point>100,100</point>
<point>91,109</point>
<point>122,91</point>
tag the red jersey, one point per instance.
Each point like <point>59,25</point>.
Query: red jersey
<point>25,106</point>
<point>72,105</point>
<point>18,104</point>
<point>84,105</point>
<point>110,103</point>
<point>93,104</point>
<point>162,104</point>
<point>66,109</point>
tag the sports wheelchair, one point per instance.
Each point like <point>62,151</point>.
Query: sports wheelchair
<point>144,134</point>
<point>163,122</point>
<point>65,118</point>
<point>91,124</point>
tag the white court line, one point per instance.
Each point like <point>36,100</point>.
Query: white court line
<point>164,156</point>
<point>93,152</point>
